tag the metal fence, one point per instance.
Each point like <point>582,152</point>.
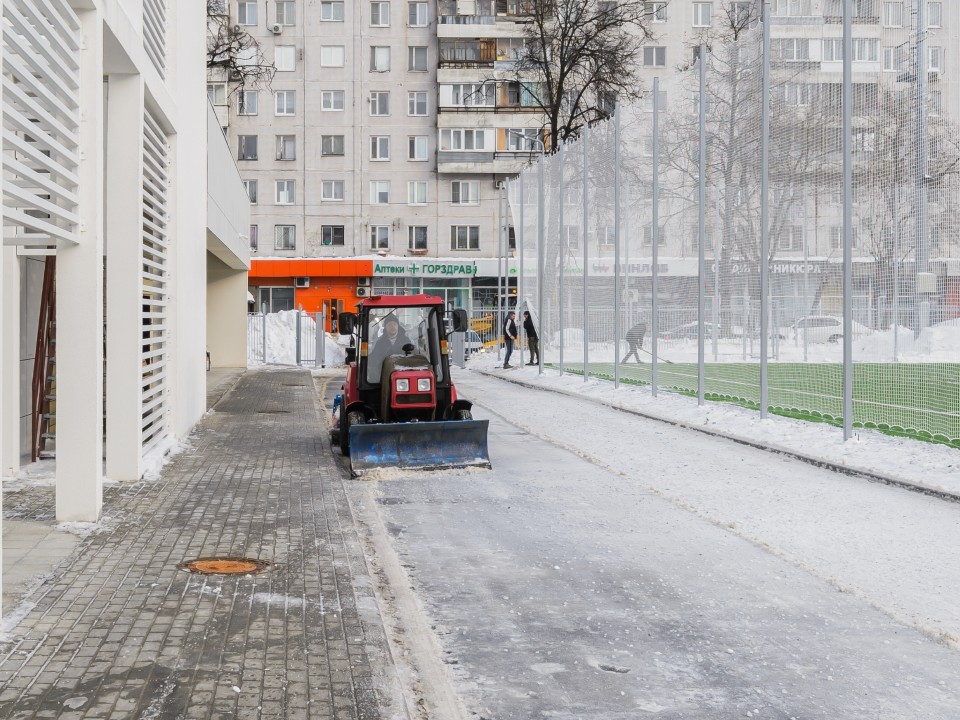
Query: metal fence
<point>290,337</point>
<point>788,237</point>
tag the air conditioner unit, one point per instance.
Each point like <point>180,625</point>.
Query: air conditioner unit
<point>301,282</point>
<point>237,29</point>
<point>276,28</point>
<point>363,292</point>
<point>363,282</point>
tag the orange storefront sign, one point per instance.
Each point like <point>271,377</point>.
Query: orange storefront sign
<point>331,281</point>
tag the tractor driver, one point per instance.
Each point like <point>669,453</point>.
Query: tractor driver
<point>390,343</point>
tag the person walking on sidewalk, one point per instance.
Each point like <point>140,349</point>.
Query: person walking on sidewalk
<point>533,340</point>
<point>635,339</point>
<point>509,337</point>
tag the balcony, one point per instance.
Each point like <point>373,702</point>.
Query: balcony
<point>857,19</point>
<point>468,53</point>
<point>467,20</point>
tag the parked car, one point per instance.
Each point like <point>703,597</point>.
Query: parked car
<point>687,331</point>
<point>824,328</point>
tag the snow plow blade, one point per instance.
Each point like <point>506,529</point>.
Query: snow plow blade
<point>419,445</point>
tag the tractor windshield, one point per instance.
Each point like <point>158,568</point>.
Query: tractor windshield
<point>389,329</point>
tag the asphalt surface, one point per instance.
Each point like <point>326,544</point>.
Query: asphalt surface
<point>560,589</point>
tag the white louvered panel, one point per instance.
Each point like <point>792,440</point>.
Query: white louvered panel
<point>155,33</point>
<point>41,62</point>
<point>154,282</point>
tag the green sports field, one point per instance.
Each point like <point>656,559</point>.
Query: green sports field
<point>914,400</point>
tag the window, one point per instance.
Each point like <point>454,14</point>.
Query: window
<point>284,237</point>
<point>332,190</point>
<point>380,14</point>
<point>285,58</point>
<point>247,102</point>
<point>796,94</point>
<point>416,103</point>
<point>836,236</point>
<point>647,101</point>
<point>331,234</point>
<point>417,14</point>
<point>417,59</point>
<point>286,12</point>
<point>465,192</point>
<point>331,11</point>
<point>464,237</point>
<point>791,8</point>
<point>286,102</point>
<point>417,192</point>
<point>894,59</point>
<point>286,147</point>
<point>893,14</point>
<point>934,14</point>
<point>648,235</point>
<point>380,192</point>
<point>791,238</point>
<point>866,50</point>
<point>379,103</point>
<point>247,147</point>
<point>379,58</point>
<point>331,100</point>
<point>863,141</point>
<point>523,139</point>
<point>379,237</point>
<point>655,56</point>
<point>606,235</point>
<point>791,49</point>
<point>936,60</point>
<point>286,192</point>
<point>417,236</point>
<point>935,103</point>
<point>379,147</point>
<point>217,93</point>
<point>331,144</point>
<point>251,187</point>
<point>417,147</point>
<point>742,14</point>
<point>702,14</point>
<point>247,12</point>
<point>657,11</point>
<point>572,235</point>
<point>473,94</point>
<point>462,139</point>
<point>254,239</point>
<point>331,56</point>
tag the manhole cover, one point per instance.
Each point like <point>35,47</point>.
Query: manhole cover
<point>224,566</point>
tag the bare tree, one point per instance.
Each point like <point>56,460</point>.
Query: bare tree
<point>235,52</point>
<point>579,58</point>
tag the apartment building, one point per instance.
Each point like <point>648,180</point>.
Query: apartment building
<point>386,131</point>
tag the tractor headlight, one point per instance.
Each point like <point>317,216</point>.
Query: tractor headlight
<point>423,385</point>
<point>403,385</point>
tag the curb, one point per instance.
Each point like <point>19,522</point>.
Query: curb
<point>870,475</point>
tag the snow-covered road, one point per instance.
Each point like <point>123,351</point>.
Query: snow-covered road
<point>615,567</point>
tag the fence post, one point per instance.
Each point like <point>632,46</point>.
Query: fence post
<point>560,255</point>
<point>297,358</point>
<point>263,335</point>
<point>541,220</point>
<point>847,92</point>
<point>521,289</point>
<point>702,229</point>
<point>655,239</point>
<point>500,263</point>
<point>586,255</point>
<point>320,354</point>
<point>764,212</point>
<point>616,246</point>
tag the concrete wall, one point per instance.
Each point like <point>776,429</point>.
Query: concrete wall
<point>226,314</point>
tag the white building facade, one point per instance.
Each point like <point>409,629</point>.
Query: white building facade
<point>111,239</point>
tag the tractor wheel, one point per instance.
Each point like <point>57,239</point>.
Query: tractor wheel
<point>463,415</point>
<point>353,418</point>
<point>344,434</point>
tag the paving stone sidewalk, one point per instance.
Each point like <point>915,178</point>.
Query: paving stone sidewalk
<point>119,632</point>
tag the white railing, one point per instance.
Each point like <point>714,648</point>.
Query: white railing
<point>41,117</point>
<point>155,287</point>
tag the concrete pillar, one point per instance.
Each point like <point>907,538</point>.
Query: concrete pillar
<point>226,314</point>
<point>188,205</point>
<point>10,363</point>
<point>80,307</point>
<point>124,221</point>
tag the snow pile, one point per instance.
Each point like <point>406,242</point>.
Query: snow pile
<point>878,346</point>
<point>939,344</point>
<point>42,473</point>
<point>281,339</point>
<point>155,460</point>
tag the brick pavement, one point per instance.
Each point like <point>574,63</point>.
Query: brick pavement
<point>120,632</point>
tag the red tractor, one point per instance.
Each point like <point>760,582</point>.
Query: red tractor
<point>399,407</point>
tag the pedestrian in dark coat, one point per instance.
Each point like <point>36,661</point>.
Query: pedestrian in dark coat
<point>509,336</point>
<point>533,340</point>
<point>635,340</point>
